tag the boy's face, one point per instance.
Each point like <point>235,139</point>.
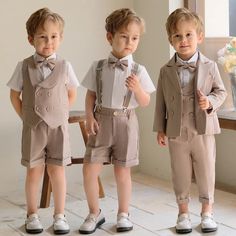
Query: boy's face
<point>125,41</point>
<point>186,39</point>
<point>46,39</point>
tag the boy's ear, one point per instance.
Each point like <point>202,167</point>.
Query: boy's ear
<point>200,37</point>
<point>31,40</point>
<point>109,37</point>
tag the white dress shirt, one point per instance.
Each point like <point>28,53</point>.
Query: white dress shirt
<point>113,83</point>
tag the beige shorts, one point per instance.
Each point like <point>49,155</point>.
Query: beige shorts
<point>43,144</point>
<point>117,140</point>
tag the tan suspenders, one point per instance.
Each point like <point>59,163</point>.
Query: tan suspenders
<point>99,85</point>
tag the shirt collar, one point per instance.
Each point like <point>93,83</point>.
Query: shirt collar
<point>194,58</point>
<point>37,57</point>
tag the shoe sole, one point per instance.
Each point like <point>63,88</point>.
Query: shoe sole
<point>183,231</point>
<point>92,231</point>
<point>124,229</point>
<point>209,230</point>
<point>33,231</point>
<point>60,232</point>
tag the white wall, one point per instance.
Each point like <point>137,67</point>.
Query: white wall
<point>84,41</point>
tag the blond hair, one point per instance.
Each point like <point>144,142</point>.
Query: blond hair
<point>38,18</point>
<point>121,18</point>
<point>182,14</point>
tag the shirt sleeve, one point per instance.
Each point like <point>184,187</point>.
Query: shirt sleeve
<point>145,80</point>
<point>16,80</point>
<point>72,78</point>
<point>89,80</point>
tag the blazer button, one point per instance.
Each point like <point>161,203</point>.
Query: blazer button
<point>37,108</point>
<point>49,94</point>
<point>38,93</point>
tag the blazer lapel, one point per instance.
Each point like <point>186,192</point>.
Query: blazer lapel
<point>172,73</point>
<point>202,71</point>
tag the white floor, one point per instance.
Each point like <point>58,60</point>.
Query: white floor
<point>153,210</point>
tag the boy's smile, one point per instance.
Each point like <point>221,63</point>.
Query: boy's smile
<point>46,39</point>
<point>186,39</point>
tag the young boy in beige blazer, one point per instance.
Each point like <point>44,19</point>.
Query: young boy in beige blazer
<point>189,92</point>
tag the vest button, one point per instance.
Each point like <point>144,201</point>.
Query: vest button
<point>38,94</point>
<point>49,94</point>
<point>37,108</point>
<point>115,113</point>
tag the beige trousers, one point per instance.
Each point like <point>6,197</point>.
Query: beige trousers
<point>193,154</point>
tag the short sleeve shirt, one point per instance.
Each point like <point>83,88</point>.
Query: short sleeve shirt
<point>113,83</point>
<point>16,81</point>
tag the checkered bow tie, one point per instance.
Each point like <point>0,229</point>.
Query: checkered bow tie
<point>191,66</point>
<point>122,64</point>
<point>50,63</point>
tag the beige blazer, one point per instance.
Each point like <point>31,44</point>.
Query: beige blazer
<point>169,98</point>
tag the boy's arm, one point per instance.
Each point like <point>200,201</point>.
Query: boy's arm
<point>159,124</point>
<point>72,94</point>
<point>133,84</point>
<point>16,101</point>
<point>91,123</point>
<point>218,93</point>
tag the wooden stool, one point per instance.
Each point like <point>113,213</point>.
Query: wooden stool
<point>74,117</point>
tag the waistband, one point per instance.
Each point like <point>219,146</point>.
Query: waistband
<point>114,112</point>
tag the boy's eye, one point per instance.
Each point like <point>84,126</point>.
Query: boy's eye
<point>188,35</point>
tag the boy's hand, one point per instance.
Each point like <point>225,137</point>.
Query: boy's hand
<point>203,101</point>
<point>161,139</point>
<point>92,126</point>
<point>132,83</point>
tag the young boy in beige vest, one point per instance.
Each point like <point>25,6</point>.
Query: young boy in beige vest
<point>111,120</point>
<point>47,85</point>
<point>189,92</point>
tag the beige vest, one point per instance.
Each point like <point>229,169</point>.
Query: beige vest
<point>47,99</point>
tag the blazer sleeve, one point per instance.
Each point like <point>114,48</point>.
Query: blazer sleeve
<point>159,124</point>
<point>218,92</point>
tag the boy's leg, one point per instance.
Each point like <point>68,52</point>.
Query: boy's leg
<point>124,188</point>
<point>58,182</point>
<point>95,217</point>
<point>91,172</point>
<point>32,183</point>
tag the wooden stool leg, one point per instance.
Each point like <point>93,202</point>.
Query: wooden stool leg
<point>46,190</point>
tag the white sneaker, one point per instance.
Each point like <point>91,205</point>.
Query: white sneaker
<point>123,222</point>
<point>33,224</point>
<point>183,225</point>
<point>208,224</point>
<point>91,223</point>
<point>60,225</point>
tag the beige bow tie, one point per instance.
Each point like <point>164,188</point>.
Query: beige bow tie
<point>50,63</point>
<point>122,64</point>
<point>190,66</point>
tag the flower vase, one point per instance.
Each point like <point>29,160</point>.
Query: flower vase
<point>232,77</point>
